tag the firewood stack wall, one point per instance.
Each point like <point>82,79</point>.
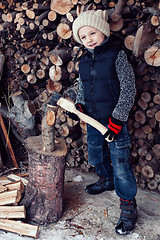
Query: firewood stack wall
<point>41,57</point>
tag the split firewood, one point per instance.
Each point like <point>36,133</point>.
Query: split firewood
<point>17,185</point>
<point>14,177</point>
<point>12,212</point>
<point>10,197</point>
<point>5,181</point>
<point>19,228</point>
<point>2,188</point>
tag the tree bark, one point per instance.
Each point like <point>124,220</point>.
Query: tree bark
<point>44,193</point>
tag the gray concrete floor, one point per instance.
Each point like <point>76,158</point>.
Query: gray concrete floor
<point>91,217</point>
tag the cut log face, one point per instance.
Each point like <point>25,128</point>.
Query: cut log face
<point>148,172</point>
<point>129,42</point>
<point>64,31</point>
<point>50,118</point>
<point>25,68</point>
<point>155,20</point>
<point>55,73</point>
<point>61,6</point>
<point>140,117</point>
<point>52,15</point>
<point>152,56</point>
<point>53,86</point>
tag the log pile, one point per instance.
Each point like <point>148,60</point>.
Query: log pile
<point>11,191</point>
<point>41,57</point>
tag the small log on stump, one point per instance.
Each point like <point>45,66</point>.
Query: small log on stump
<point>44,193</point>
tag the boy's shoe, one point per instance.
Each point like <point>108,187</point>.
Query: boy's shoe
<point>100,186</point>
<point>128,217</point>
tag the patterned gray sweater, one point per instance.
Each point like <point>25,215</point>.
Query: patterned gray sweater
<point>127,88</point>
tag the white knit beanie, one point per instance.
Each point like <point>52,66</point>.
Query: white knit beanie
<point>94,18</point>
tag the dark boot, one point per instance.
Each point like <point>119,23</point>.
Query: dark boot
<point>100,186</point>
<point>128,217</point>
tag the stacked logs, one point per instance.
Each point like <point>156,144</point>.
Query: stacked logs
<point>42,57</point>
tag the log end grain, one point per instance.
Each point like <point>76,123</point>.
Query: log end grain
<point>35,144</point>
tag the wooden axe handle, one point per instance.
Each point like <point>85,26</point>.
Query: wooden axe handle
<point>69,106</point>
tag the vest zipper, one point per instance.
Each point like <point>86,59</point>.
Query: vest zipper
<point>92,94</point>
<point>92,65</point>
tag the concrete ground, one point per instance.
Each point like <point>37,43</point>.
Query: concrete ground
<point>91,217</point>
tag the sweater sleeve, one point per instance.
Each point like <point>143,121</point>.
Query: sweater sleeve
<point>126,78</point>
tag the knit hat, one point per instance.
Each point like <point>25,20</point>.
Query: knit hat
<point>94,18</point>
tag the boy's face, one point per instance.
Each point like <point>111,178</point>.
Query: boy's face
<point>91,37</point>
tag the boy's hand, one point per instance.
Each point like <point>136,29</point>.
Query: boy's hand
<point>114,128</point>
<point>80,108</point>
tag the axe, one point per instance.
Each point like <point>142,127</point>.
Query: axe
<point>69,106</point>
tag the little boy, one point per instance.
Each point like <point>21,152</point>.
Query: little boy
<point>107,92</point>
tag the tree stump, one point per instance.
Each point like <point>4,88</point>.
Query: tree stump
<point>43,197</point>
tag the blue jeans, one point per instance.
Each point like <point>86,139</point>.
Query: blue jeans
<point>111,160</point>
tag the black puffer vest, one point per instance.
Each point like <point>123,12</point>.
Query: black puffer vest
<point>100,81</point>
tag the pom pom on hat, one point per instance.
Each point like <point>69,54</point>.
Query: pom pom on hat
<point>94,18</point>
